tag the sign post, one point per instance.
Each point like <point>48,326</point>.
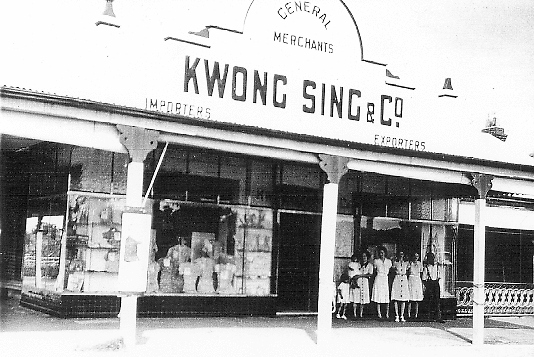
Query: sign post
<point>136,224</point>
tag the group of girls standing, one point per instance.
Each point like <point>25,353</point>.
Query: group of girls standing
<point>407,285</point>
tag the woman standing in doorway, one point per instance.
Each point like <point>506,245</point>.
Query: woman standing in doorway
<point>366,271</point>
<point>380,295</point>
<point>399,291</point>
<point>415,285</point>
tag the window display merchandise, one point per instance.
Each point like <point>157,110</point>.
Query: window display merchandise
<point>194,249</point>
<point>213,250</point>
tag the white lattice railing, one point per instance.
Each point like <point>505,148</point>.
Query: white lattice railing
<point>501,298</point>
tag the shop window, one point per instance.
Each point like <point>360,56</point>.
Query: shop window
<point>171,185</point>
<point>299,198</point>
<point>261,183</point>
<point>439,209</point>
<point>42,245</point>
<point>298,175</point>
<point>233,169</point>
<point>203,164</point>
<point>209,249</point>
<point>347,188</point>
<point>372,204</point>
<point>398,207</point>
<point>43,168</point>
<point>175,160</point>
<point>253,251</point>
<point>300,188</point>
<point>91,170</point>
<point>421,208</point>
<point>93,239</point>
<point>196,188</point>
<point>398,186</point>
<point>120,173</point>
<point>373,183</point>
<point>199,177</point>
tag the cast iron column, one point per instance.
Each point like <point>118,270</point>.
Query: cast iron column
<point>139,142</point>
<point>335,167</point>
<point>482,183</point>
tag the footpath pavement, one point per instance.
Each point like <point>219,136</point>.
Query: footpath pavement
<point>25,332</point>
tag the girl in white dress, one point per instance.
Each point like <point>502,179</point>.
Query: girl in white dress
<point>415,284</point>
<point>343,296</point>
<point>354,273</point>
<point>366,271</point>
<point>381,266</point>
<point>399,291</point>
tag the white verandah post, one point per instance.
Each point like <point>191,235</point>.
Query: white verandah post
<point>335,167</point>
<point>139,142</point>
<point>483,184</point>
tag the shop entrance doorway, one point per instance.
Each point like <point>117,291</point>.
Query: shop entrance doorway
<point>298,262</point>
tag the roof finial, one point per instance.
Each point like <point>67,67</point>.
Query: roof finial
<point>447,84</point>
<point>109,9</point>
<point>447,91</point>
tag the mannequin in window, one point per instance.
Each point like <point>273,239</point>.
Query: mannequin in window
<point>206,267</point>
<point>168,282</point>
<point>226,275</point>
<point>178,255</point>
<point>189,272</point>
<point>153,269</point>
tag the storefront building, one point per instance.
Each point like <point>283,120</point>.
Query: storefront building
<point>255,177</point>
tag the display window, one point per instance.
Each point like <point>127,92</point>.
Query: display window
<point>92,242</point>
<point>208,249</point>
<point>42,249</point>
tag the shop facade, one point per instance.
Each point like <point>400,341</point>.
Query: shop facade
<point>258,168</point>
<point>225,205</point>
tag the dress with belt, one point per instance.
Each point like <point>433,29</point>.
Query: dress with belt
<point>363,296</point>
<point>399,290</point>
<point>381,287</point>
<point>415,284</point>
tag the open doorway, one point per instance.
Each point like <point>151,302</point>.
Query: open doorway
<point>298,262</point>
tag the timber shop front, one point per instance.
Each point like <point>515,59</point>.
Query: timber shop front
<point>232,171</point>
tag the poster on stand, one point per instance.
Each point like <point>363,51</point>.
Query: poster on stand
<point>135,245</point>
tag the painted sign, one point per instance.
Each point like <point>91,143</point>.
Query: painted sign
<point>298,68</point>
<point>135,245</point>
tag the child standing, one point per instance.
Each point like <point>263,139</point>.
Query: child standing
<point>354,291</point>
<point>343,296</point>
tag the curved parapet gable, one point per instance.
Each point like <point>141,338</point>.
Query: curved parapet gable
<point>319,30</point>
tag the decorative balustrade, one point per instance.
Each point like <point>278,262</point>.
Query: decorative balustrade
<point>501,298</point>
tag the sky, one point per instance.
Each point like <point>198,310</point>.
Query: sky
<point>485,46</point>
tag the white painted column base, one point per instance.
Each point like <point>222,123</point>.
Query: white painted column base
<point>479,295</point>
<point>128,320</point>
<point>326,267</point>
